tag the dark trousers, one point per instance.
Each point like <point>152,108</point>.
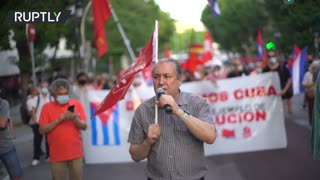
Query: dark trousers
<point>310,101</point>
<point>37,140</point>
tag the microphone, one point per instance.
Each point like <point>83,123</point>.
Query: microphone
<point>167,108</point>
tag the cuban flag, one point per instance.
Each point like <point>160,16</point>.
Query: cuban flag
<point>105,126</point>
<point>259,44</point>
<point>215,9</point>
<point>297,68</point>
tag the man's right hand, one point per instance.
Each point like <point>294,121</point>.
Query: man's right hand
<point>67,115</point>
<point>153,133</point>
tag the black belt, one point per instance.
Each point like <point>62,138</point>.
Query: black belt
<point>202,178</point>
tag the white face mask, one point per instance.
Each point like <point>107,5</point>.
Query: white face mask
<point>44,90</point>
<point>197,75</point>
<point>63,99</point>
<point>240,68</point>
<point>216,73</point>
<point>251,65</point>
<point>272,60</point>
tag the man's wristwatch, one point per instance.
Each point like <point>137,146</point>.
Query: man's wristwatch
<point>185,115</point>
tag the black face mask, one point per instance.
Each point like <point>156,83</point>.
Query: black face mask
<point>82,81</point>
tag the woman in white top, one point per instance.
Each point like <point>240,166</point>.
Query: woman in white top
<point>308,84</point>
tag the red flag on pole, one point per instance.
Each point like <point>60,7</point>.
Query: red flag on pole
<point>120,89</point>
<point>101,13</point>
<point>31,32</point>
<point>207,55</point>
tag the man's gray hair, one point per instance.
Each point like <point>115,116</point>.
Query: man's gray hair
<point>60,83</point>
<point>173,61</point>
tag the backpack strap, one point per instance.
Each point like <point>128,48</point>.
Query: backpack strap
<point>38,101</point>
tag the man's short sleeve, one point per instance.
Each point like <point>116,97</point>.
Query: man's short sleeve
<point>81,111</point>
<point>4,110</point>
<point>202,110</point>
<point>44,115</point>
<point>31,103</point>
<point>136,134</point>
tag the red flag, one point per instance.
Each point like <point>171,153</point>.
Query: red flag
<point>101,13</point>
<point>120,89</point>
<point>195,57</point>
<point>147,74</point>
<point>207,55</point>
<point>31,32</point>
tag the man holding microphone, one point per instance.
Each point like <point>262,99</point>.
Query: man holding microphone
<point>173,146</point>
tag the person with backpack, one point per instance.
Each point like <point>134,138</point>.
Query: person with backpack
<point>285,79</point>
<point>35,103</point>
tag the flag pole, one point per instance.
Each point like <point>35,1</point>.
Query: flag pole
<point>86,59</point>
<point>30,40</point>
<point>155,58</point>
<point>123,34</point>
<point>33,63</point>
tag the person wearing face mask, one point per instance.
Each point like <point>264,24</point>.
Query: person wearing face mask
<point>306,67</point>
<point>237,69</point>
<point>217,72</point>
<point>62,120</point>
<point>81,87</point>
<point>285,79</point>
<point>200,73</point>
<point>258,69</point>
<point>33,103</point>
<point>44,98</point>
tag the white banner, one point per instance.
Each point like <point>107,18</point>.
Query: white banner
<point>248,116</point>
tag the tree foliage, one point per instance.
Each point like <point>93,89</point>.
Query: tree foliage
<point>180,41</point>
<point>45,33</point>
<point>137,18</point>
<point>297,22</point>
<point>236,28</point>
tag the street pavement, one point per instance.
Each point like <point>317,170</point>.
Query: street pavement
<point>292,163</point>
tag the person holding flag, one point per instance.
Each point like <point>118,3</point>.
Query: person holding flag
<point>173,145</point>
